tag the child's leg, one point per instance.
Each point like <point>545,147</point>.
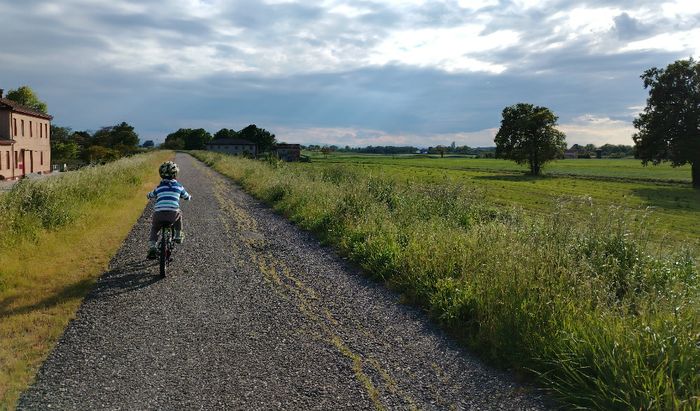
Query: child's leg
<point>178,223</point>
<point>179,235</point>
<point>155,229</point>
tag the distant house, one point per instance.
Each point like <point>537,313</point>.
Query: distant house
<point>570,154</point>
<point>24,140</point>
<point>288,152</point>
<point>233,146</point>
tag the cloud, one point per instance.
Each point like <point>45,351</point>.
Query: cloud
<point>591,129</point>
<point>370,70</point>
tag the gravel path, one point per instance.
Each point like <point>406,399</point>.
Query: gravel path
<point>256,315</point>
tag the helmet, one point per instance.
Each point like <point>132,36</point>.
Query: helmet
<point>168,170</point>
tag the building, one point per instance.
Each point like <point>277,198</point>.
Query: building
<point>233,146</point>
<point>288,152</point>
<point>570,154</point>
<point>24,140</point>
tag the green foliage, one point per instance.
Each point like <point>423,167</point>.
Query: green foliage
<point>187,139</point>
<point>606,320</point>
<point>669,128</point>
<point>26,97</point>
<point>64,151</point>
<point>263,138</point>
<point>226,133</point>
<point>106,144</point>
<point>527,136</point>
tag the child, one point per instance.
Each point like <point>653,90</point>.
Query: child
<point>167,209</point>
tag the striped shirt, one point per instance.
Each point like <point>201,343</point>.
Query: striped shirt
<point>168,194</point>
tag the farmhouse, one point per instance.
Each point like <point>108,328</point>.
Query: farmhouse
<point>570,154</point>
<point>288,152</point>
<point>233,146</point>
<point>24,140</point>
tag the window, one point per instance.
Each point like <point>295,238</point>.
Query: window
<point>16,159</point>
<point>7,157</point>
<point>41,155</point>
<point>22,123</point>
<point>14,123</point>
<point>0,161</point>
<point>31,129</point>
<point>41,130</point>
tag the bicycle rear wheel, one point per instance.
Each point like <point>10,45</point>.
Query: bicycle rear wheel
<point>163,252</point>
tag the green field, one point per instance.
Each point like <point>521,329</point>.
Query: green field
<point>593,168</point>
<point>662,194</point>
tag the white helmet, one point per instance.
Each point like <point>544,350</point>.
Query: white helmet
<point>168,170</point>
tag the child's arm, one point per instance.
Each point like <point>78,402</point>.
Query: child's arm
<point>152,194</point>
<point>184,194</point>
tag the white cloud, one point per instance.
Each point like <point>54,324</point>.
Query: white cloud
<point>678,41</point>
<point>445,48</point>
<point>598,130</point>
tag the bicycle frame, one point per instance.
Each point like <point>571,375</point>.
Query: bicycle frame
<point>165,248</point>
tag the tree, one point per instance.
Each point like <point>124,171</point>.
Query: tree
<point>123,135</point>
<point>225,133</point>
<point>669,126</point>
<point>63,148</point>
<point>148,144</point>
<point>99,155</point>
<point>527,136</point>
<point>187,139</point>
<point>26,97</point>
<point>263,138</point>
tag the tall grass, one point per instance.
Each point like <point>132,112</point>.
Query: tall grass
<point>602,317</point>
<point>32,206</point>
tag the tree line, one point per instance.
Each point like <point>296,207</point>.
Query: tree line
<point>197,139</point>
<point>85,147</point>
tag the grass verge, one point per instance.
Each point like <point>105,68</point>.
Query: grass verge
<point>56,236</point>
<point>601,315</point>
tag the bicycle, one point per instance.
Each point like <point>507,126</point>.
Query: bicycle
<point>166,244</point>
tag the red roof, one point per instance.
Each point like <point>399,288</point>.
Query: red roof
<point>11,105</point>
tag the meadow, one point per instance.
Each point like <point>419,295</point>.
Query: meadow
<point>661,193</point>
<point>574,281</point>
<point>594,168</point>
<point>56,236</point>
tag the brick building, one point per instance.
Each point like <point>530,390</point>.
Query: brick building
<point>288,152</point>
<point>24,140</point>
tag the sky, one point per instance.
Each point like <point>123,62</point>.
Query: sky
<point>368,72</point>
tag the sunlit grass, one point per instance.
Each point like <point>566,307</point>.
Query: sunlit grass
<point>58,235</point>
<point>581,296</point>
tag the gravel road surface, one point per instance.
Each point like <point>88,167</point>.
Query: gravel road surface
<point>255,315</point>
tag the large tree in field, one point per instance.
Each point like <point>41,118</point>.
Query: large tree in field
<point>527,136</point>
<point>669,127</point>
<point>26,97</point>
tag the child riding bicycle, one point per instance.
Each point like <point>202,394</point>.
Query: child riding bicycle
<point>167,208</point>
